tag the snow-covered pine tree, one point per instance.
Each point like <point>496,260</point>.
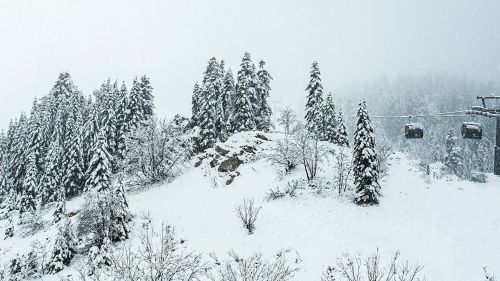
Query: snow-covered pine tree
<point>120,215</point>
<point>135,112</point>
<point>453,159</point>
<point>147,98</point>
<point>195,105</point>
<point>314,116</point>
<point>99,170</point>
<point>221,104</point>
<point>28,202</point>
<point>9,230</point>
<point>17,153</point>
<point>72,158</point>
<point>63,249</point>
<point>263,89</point>
<point>365,160</point>
<point>107,114</point>
<point>122,127</point>
<point>51,181</point>
<point>246,96</point>
<point>329,120</point>
<point>229,91</point>
<point>342,138</point>
<point>60,210</point>
<point>208,117</point>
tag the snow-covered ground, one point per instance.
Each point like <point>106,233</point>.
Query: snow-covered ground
<point>450,227</point>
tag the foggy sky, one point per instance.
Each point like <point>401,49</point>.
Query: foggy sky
<point>172,40</point>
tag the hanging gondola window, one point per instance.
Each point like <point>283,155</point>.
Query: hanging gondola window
<point>472,130</point>
<point>414,131</point>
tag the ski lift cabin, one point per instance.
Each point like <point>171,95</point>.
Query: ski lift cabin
<point>414,131</point>
<point>472,130</point>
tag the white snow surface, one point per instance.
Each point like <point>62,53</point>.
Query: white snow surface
<point>450,227</point>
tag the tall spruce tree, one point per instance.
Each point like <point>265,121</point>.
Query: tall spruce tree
<point>342,138</point>
<point>208,117</point>
<point>121,121</point>
<point>72,158</point>
<point>51,181</point>
<point>28,202</point>
<point>229,91</point>
<point>365,165</point>
<point>120,215</point>
<point>147,98</point>
<point>99,170</point>
<point>329,120</point>
<point>263,89</point>
<point>453,159</point>
<point>195,105</point>
<point>314,116</point>
<point>245,101</point>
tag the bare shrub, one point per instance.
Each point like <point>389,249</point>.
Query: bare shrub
<point>290,190</point>
<point>354,268</point>
<point>248,212</point>
<point>310,151</point>
<point>158,256</point>
<point>254,268</point>
<point>343,168</point>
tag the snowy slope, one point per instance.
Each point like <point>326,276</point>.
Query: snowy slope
<point>450,227</point>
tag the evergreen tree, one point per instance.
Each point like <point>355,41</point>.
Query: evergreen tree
<point>342,138</point>
<point>329,121</point>
<point>229,91</point>
<point>51,180</point>
<point>365,166</point>
<point>99,170</point>
<point>121,121</point>
<point>28,202</point>
<point>9,230</point>
<point>120,215</point>
<point>195,105</point>
<point>208,118</point>
<point>17,154</point>
<point>72,159</point>
<point>63,250</point>
<point>107,115</point>
<point>245,101</point>
<point>453,159</point>
<point>60,210</point>
<point>147,98</point>
<point>314,116</point>
<point>135,112</point>
<point>263,89</point>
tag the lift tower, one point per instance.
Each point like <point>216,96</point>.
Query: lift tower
<point>491,112</point>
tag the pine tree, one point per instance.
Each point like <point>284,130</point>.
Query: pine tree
<point>9,230</point>
<point>107,114</point>
<point>314,116</point>
<point>120,215</point>
<point>17,154</point>
<point>121,121</point>
<point>453,159</point>
<point>72,159</point>
<point>135,112</point>
<point>365,160</point>
<point>208,118</point>
<point>63,250</point>
<point>60,210</point>
<point>329,121</point>
<point>51,181</point>
<point>99,170</point>
<point>245,101</point>
<point>147,98</point>
<point>229,91</point>
<point>28,202</point>
<point>263,89</point>
<point>195,105</point>
<point>342,138</point>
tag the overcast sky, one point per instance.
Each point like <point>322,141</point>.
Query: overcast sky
<point>172,40</point>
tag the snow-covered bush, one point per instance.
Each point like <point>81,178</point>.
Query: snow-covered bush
<point>9,230</point>
<point>158,256</point>
<point>355,268</point>
<point>254,268</point>
<point>310,152</point>
<point>290,190</point>
<point>27,266</point>
<point>156,151</point>
<point>31,223</point>
<point>247,212</point>
<point>488,276</point>
<point>284,155</point>
<point>343,168</point>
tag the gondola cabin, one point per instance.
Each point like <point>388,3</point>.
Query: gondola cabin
<point>472,130</point>
<point>414,131</point>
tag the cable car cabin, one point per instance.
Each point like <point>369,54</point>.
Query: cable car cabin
<point>472,130</point>
<point>414,131</point>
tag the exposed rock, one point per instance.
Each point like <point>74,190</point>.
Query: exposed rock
<point>221,150</point>
<point>230,164</point>
<point>262,137</point>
